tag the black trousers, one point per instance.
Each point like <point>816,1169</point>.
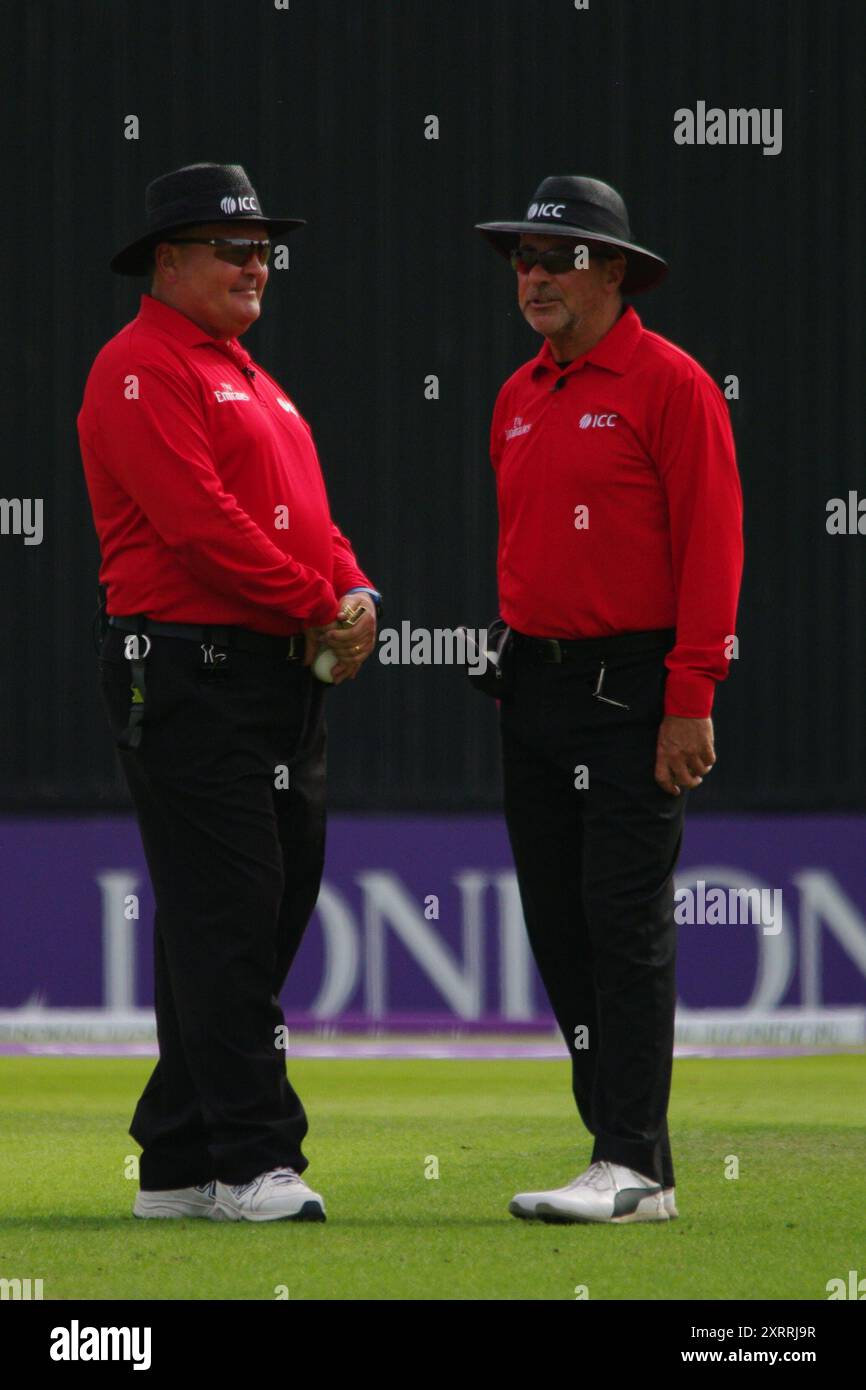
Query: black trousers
<point>235,862</point>
<point>595,867</point>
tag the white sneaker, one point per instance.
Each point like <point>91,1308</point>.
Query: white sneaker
<point>278,1195</point>
<point>670,1202</point>
<point>605,1192</point>
<point>176,1201</point>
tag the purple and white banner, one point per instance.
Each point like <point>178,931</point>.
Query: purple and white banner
<point>419,924</point>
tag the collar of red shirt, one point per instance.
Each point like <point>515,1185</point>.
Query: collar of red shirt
<point>614,351</point>
<point>154,312</point>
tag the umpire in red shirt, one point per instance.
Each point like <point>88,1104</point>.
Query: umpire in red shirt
<point>619,564</point>
<point>224,578</point>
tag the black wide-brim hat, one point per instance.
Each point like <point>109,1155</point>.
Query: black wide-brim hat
<point>196,193</point>
<point>573,206</point>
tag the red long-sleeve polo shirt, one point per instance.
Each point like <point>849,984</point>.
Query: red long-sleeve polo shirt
<point>207,493</point>
<point>638,434</point>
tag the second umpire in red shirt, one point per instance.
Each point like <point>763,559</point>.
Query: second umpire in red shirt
<point>225,576</point>
<point>619,565</point>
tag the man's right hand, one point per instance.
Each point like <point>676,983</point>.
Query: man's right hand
<point>684,753</point>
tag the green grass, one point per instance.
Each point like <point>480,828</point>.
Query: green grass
<point>793,1219</point>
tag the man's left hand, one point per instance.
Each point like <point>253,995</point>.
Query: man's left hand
<point>352,645</point>
<point>684,752</point>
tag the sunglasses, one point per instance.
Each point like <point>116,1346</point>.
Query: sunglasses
<point>555,262</point>
<point>235,250</point>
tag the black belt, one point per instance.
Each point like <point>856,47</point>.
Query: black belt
<point>554,650</point>
<point>241,638</point>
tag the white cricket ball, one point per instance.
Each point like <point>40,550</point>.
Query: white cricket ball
<point>324,665</point>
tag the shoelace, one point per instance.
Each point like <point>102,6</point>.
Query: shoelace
<point>283,1175</point>
<point>277,1175</point>
<point>597,1175</point>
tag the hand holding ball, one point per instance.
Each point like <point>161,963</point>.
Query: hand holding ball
<point>327,658</point>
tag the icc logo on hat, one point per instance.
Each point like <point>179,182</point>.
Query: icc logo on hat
<point>230,205</point>
<point>545,210</point>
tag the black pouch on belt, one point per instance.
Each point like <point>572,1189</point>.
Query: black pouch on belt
<point>494,673</point>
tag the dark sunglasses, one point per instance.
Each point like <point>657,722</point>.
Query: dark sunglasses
<point>235,250</point>
<point>555,262</point>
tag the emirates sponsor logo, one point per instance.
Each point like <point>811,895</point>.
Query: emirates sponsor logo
<point>518,427</point>
<point>228,393</point>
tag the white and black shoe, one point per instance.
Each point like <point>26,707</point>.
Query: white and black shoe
<point>176,1201</point>
<point>278,1195</point>
<point>670,1195</point>
<point>605,1192</point>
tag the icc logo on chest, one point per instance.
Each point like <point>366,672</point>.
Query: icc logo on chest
<point>595,421</point>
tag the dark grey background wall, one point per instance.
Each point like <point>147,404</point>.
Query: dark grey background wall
<point>325,104</point>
